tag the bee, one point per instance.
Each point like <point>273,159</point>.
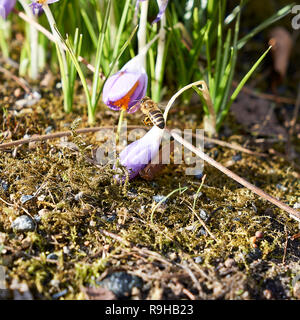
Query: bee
<point>152,112</point>
<point>41,1</point>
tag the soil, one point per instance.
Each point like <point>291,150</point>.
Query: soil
<point>93,237</point>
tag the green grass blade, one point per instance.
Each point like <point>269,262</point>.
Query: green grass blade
<point>89,27</point>
<point>245,79</point>
<point>95,86</point>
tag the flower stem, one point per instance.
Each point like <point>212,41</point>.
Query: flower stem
<point>33,38</point>
<point>62,60</point>
<point>121,117</point>
<point>141,35</point>
<point>3,41</point>
<point>159,65</point>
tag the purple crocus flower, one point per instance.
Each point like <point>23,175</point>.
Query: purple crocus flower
<point>139,153</point>
<point>6,7</point>
<point>127,87</point>
<point>38,4</point>
<point>162,4</point>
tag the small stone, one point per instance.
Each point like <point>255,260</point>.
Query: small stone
<point>59,294</point>
<point>26,243</point>
<point>203,215</point>
<point>237,157</point>
<point>37,218</point>
<point>92,223</point>
<point>23,223</point>
<point>199,176</point>
<point>296,205</point>
<point>4,185</point>
<point>26,198</point>
<point>17,92</point>
<point>109,218</point>
<point>259,234</point>
<point>79,195</point>
<point>48,129</point>
<point>198,259</point>
<point>54,283</point>
<point>66,250</point>
<point>229,263</point>
<point>253,242</point>
<point>121,283</point>
<point>281,187</point>
<point>202,232</point>
<point>52,256</point>
<point>159,198</point>
<point>42,212</point>
<point>268,294</point>
<point>41,197</point>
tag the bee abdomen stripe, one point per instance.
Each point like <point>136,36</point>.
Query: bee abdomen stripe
<point>156,112</point>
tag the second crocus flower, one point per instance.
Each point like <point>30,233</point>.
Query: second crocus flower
<point>139,153</point>
<point>6,7</point>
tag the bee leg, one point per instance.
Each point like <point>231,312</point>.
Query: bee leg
<point>147,121</point>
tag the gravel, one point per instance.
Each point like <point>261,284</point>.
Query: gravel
<point>121,283</point>
<point>23,223</point>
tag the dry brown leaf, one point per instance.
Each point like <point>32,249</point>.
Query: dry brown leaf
<point>282,43</point>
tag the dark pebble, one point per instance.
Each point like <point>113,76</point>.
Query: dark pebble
<point>254,254</point>
<point>4,185</point>
<point>59,294</point>
<point>52,256</point>
<point>109,218</point>
<point>25,198</point>
<point>237,157</point>
<point>208,145</point>
<point>121,283</point>
<point>199,175</point>
<point>37,218</point>
<point>202,232</point>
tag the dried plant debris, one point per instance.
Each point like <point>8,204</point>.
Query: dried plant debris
<point>69,231</point>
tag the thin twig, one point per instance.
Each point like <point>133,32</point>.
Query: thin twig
<point>285,245</point>
<point>57,135</point>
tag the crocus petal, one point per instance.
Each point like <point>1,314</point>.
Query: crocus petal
<point>124,89</point>
<point>162,4</point>
<point>138,154</point>
<point>6,7</point>
<point>37,6</point>
<point>162,10</point>
<point>117,86</point>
